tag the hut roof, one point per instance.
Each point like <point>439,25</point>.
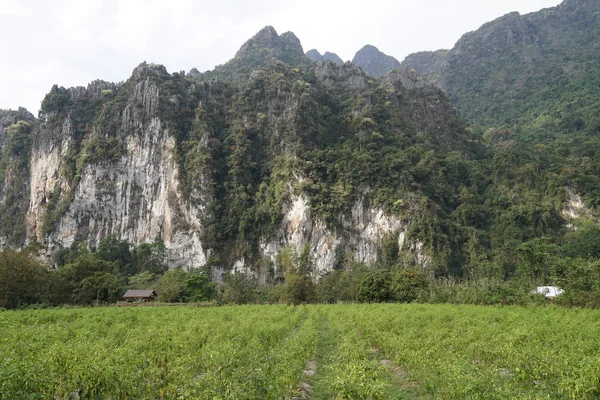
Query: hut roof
<point>139,293</point>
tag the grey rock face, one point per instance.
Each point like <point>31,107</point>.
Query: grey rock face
<point>314,55</point>
<point>267,46</point>
<point>365,229</point>
<point>333,58</point>
<point>429,64</point>
<point>135,196</point>
<point>348,75</point>
<point>374,61</point>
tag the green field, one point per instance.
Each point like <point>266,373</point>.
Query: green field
<point>383,351</point>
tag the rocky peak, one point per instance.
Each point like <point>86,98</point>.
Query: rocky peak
<point>333,58</point>
<point>429,64</point>
<point>374,61</point>
<point>266,38</point>
<point>145,70</point>
<point>291,40</point>
<point>10,117</point>
<point>346,75</point>
<point>194,73</point>
<point>93,91</point>
<point>316,56</point>
<point>267,46</point>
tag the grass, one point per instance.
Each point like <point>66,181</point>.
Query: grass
<point>380,351</point>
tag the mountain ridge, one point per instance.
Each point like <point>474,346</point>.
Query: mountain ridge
<point>270,151</point>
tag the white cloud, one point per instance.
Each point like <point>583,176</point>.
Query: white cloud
<point>72,42</point>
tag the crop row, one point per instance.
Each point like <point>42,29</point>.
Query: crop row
<point>374,351</point>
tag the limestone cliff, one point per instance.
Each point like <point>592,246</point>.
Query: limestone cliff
<point>125,180</point>
<point>230,167</point>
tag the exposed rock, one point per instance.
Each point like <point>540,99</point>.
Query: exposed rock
<point>428,64</point>
<point>135,197</point>
<point>374,61</point>
<point>316,56</point>
<point>227,169</point>
<point>365,230</point>
<point>347,75</point>
<point>576,210</point>
<point>265,48</point>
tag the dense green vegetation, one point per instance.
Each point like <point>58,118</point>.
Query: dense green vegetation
<point>86,277</point>
<point>527,85</point>
<point>16,131</point>
<point>487,201</point>
<point>272,352</point>
<point>101,276</point>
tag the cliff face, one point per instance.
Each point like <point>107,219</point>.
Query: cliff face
<point>124,180</point>
<point>364,230</point>
<point>16,129</point>
<point>230,167</point>
<point>374,61</point>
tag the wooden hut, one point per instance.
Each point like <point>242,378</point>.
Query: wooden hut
<point>140,295</point>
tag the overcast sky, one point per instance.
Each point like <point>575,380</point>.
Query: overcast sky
<point>72,42</point>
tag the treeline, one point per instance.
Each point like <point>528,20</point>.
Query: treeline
<point>82,276</point>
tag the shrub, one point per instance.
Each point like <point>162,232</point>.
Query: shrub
<point>408,284</point>
<point>375,287</point>
<point>239,289</point>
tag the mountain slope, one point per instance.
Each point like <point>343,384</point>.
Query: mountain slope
<point>316,56</point>
<point>374,61</point>
<point>262,49</point>
<point>521,64</point>
<point>16,129</point>
<point>277,152</point>
<point>529,84</point>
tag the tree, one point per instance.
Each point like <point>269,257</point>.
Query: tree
<point>112,249</point>
<point>143,280</point>
<point>86,265</point>
<point>170,285</point>
<point>536,258</point>
<point>239,289</point>
<point>198,286</point>
<point>337,286</point>
<point>22,279</point>
<point>585,242</point>
<point>387,255</point>
<point>298,287</point>
<point>407,284</point>
<point>150,257</point>
<point>101,287</point>
<point>375,287</point>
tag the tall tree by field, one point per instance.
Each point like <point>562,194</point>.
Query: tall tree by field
<point>22,279</point>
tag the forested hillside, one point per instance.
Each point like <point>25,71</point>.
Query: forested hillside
<point>289,170</point>
<point>529,85</point>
